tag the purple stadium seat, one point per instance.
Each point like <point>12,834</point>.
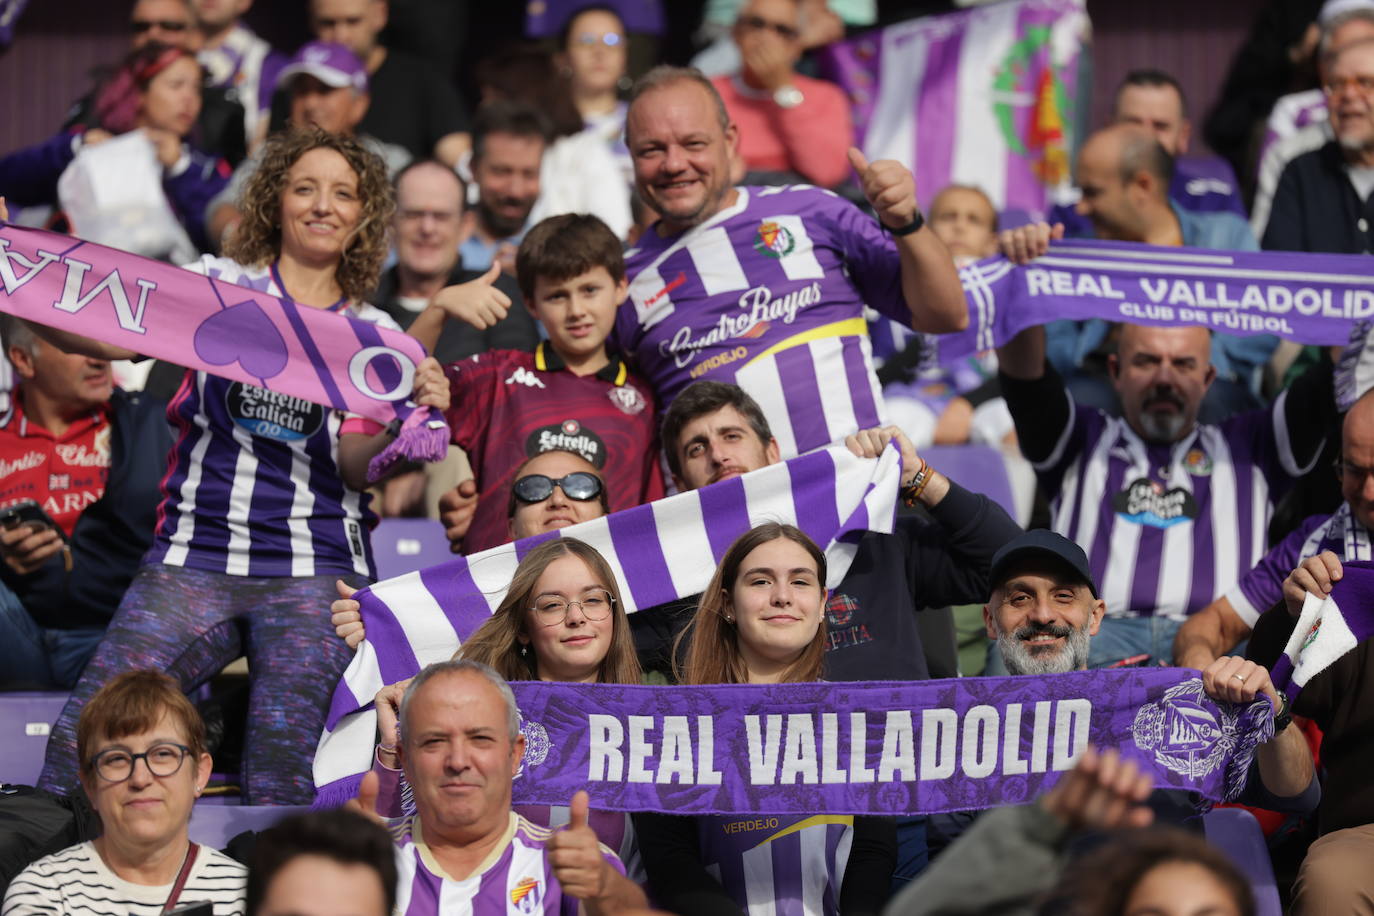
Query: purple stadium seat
<point>215,825</point>
<point>1236,832</point>
<point>978,468</point>
<point>402,545</point>
<point>25,718</point>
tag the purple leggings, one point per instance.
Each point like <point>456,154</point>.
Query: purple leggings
<point>190,624</point>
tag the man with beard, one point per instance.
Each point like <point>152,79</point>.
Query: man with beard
<point>508,143</point>
<point>1170,511</point>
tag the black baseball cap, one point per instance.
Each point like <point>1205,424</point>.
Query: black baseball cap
<point>1041,544</point>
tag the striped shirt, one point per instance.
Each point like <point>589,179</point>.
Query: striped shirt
<point>253,485</point>
<point>77,882</point>
<point>769,294</point>
<point>1167,528</point>
<point>1262,587</point>
<point>773,865</point>
<point>515,879</point>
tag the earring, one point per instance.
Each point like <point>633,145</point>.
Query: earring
<point>524,650</point>
<point>625,83</point>
<point>729,619</point>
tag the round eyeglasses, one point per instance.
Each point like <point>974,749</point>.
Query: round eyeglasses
<point>551,610</point>
<point>535,488</point>
<point>117,764</point>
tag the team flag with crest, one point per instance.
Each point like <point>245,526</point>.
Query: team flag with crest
<point>986,96</point>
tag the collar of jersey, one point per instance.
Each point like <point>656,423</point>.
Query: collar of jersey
<point>546,359</point>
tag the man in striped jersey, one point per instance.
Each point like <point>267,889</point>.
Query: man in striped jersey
<point>765,287</point>
<point>461,748</point>
<point>1222,624</point>
<point>1171,512</point>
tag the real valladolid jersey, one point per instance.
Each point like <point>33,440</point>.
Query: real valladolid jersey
<point>769,294</point>
<point>253,487</point>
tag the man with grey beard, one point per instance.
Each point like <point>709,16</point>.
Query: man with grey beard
<point>1044,608</point>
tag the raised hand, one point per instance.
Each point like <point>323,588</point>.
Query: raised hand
<point>478,302</point>
<point>1026,243</point>
<point>1233,679</point>
<point>346,615</point>
<point>431,385</point>
<point>1103,791</point>
<point>575,854</point>
<point>889,187</point>
<point>365,802</point>
<point>456,509</point>
<point>388,702</point>
<point>1315,576</point>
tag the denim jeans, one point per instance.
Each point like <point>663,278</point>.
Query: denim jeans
<point>36,657</point>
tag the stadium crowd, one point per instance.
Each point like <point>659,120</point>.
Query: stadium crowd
<point>637,279</point>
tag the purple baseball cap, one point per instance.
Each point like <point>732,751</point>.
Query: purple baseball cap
<point>329,62</point>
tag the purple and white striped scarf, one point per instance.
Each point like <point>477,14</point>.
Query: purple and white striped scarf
<point>212,326</point>
<point>660,552</point>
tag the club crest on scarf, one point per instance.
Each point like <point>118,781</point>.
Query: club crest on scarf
<point>536,745</point>
<point>1184,731</point>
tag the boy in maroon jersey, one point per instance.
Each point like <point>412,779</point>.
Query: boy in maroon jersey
<point>570,394</point>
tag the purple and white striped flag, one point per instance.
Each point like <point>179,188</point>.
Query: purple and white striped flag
<point>660,552</point>
<point>985,96</point>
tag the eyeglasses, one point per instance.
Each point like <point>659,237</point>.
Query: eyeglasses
<point>117,765</point>
<point>551,610</point>
<point>535,488</point>
<point>587,39</point>
<point>1363,85</point>
<point>758,23</point>
<point>139,26</point>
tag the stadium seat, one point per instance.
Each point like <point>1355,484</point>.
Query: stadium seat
<point>978,468</point>
<point>215,825</point>
<point>402,545</point>
<point>1236,832</point>
<point>25,719</point>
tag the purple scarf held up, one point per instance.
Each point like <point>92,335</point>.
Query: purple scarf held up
<point>1308,298</point>
<point>209,325</point>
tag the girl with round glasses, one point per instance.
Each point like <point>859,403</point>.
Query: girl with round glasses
<point>761,621</point>
<point>141,745</point>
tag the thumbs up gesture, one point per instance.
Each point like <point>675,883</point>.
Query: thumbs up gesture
<point>478,302</point>
<point>575,855</point>
<point>889,187</point>
<point>365,802</point>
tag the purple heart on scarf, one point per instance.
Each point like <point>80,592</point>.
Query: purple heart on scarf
<point>242,332</point>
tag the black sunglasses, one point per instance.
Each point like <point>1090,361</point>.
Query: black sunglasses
<point>758,23</point>
<point>139,26</point>
<point>535,488</point>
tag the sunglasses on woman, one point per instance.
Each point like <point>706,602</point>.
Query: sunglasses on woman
<point>535,488</point>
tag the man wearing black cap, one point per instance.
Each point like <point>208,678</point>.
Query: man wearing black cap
<point>1044,608</point>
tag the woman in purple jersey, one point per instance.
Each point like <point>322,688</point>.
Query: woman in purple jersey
<point>263,504</point>
<point>761,621</point>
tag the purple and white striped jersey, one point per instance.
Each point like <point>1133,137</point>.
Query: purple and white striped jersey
<point>515,879</point>
<point>1262,587</point>
<point>253,485</point>
<point>1168,528</point>
<point>769,294</point>
<point>773,865</point>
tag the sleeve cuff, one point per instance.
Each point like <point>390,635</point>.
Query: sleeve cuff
<point>1243,607</point>
<point>181,165</point>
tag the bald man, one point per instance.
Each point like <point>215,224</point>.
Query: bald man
<point>1212,631</point>
<point>1171,509</point>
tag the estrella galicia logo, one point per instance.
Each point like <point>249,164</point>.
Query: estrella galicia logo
<point>568,436</point>
<point>1146,502</point>
<point>272,414</point>
<point>1186,732</point>
<point>774,240</point>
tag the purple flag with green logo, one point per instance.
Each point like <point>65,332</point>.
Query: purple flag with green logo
<point>986,96</point>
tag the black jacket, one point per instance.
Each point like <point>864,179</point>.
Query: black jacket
<point>1316,208</point>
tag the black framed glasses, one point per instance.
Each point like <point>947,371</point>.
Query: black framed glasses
<point>758,23</point>
<point>139,26</point>
<point>535,488</point>
<point>1349,469</point>
<point>117,764</point>
<point>551,610</point>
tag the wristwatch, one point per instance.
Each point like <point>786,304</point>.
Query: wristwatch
<point>1284,716</point>
<point>788,97</point>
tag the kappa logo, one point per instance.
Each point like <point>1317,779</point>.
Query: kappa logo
<point>527,894</point>
<point>522,376</point>
<point>1185,731</point>
<point>774,240</point>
